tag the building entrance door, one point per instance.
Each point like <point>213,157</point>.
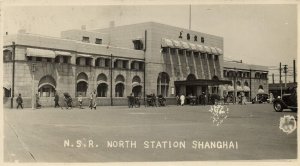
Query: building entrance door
<point>191,90</point>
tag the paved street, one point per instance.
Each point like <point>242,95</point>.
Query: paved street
<point>55,135</point>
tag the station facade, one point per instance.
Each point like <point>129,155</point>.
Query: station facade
<point>142,59</point>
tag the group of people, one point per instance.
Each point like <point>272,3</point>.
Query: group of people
<point>202,99</point>
<point>19,101</point>
<point>67,99</point>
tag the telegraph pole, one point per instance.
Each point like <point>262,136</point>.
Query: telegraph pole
<point>273,78</point>
<point>190,18</point>
<point>285,72</point>
<point>280,80</point>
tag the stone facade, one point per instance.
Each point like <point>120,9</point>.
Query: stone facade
<point>83,60</point>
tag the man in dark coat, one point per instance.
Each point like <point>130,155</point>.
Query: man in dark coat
<point>56,99</point>
<point>19,101</point>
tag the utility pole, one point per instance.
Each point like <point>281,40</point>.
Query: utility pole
<point>190,18</point>
<point>272,78</point>
<point>294,70</point>
<point>285,72</point>
<point>280,82</point>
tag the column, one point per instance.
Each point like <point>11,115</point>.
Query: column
<point>209,72</point>
<point>194,62</point>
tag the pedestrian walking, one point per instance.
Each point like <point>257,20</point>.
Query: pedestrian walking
<point>19,101</point>
<point>177,100</point>
<point>93,103</point>
<point>56,99</point>
<point>182,99</point>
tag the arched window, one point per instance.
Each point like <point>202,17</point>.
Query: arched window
<point>102,90</point>
<point>102,77</point>
<point>120,78</point>
<point>191,77</point>
<point>136,86</point>
<point>163,84</point>
<point>260,87</point>
<point>82,84</point>
<point>246,83</point>
<point>238,83</point>
<point>119,91</point>
<point>47,86</point>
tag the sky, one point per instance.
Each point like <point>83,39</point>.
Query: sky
<point>256,34</point>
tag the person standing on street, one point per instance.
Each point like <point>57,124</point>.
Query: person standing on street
<point>19,101</point>
<point>56,99</point>
<point>37,101</point>
<point>182,98</point>
<point>80,101</point>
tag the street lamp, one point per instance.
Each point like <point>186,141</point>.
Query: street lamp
<point>33,66</point>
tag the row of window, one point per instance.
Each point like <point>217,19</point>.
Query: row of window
<point>241,74</point>
<point>137,44</point>
<point>165,50</point>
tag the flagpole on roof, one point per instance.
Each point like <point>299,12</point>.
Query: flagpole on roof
<point>190,18</point>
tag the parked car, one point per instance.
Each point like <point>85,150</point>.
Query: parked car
<point>287,101</point>
<point>261,98</point>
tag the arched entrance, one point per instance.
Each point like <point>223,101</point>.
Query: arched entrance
<point>47,86</point>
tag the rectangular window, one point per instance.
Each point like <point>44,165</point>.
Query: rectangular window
<point>29,58</point>
<point>188,53</point>
<point>78,61</point>
<point>107,62</point>
<point>138,45</point>
<point>180,52</point>
<point>173,51</point>
<point>57,59</point>
<point>124,64</point>
<point>202,39</point>
<point>98,41</point>
<point>164,50</point>
<point>65,59</point>
<point>85,39</point>
<point>48,59</point>
<point>38,58</point>
<point>88,61</point>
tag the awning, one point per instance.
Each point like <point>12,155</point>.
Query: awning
<point>193,46</point>
<point>134,84</point>
<point>219,51</point>
<point>84,55</point>
<point>207,49</point>
<point>214,50</point>
<point>230,88</point>
<point>200,48</point>
<point>260,91</point>
<point>167,43</point>
<point>239,88</point>
<point>246,89</point>
<point>40,53</point>
<point>202,82</point>
<point>6,85</point>
<point>62,53</point>
<point>185,45</point>
<point>177,44</point>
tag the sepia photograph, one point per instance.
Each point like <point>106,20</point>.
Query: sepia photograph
<point>149,82</point>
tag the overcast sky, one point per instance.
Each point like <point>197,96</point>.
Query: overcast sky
<point>256,34</point>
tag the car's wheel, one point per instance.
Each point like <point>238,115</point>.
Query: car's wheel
<point>278,107</point>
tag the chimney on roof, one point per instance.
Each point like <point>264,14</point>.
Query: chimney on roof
<point>22,31</point>
<point>6,33</point>
<point>83,27</point>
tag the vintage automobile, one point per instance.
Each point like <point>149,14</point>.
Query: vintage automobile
<point>261,98</point>
<point>287,101</point>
